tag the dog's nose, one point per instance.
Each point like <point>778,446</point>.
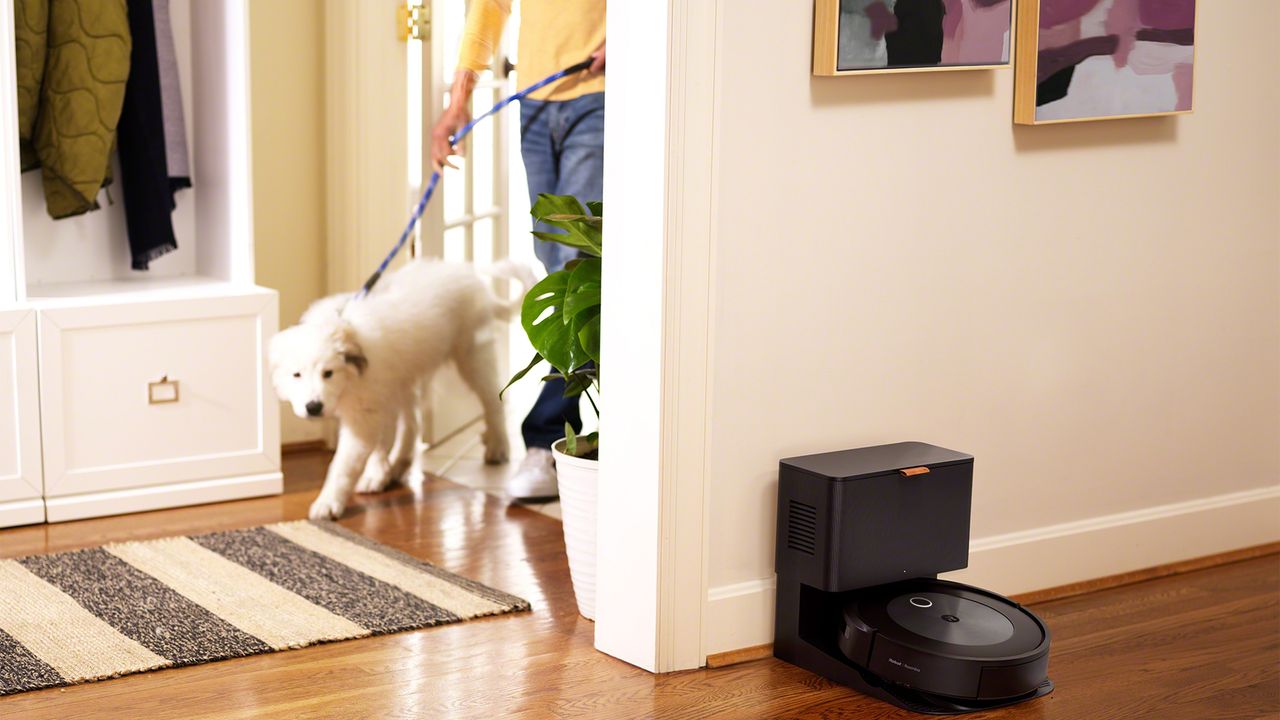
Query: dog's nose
<point>315,408</point>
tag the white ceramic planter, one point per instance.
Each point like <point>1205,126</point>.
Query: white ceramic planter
<point>577,479</point>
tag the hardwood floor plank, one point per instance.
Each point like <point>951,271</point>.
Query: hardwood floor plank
<point>1195,646</point>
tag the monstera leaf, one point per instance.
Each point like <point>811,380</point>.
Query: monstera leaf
<point>561,313</point>
<point>582,306</point>
<point>582,231</point>
<point>561,316</point>
<point>544,321</point>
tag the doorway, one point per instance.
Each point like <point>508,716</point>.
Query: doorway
<point>478,213</point>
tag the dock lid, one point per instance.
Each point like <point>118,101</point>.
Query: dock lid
<point>878,460</point>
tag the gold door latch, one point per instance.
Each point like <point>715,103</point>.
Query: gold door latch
<point>413,21</point>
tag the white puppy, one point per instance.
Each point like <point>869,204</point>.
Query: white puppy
<point>363,360</point>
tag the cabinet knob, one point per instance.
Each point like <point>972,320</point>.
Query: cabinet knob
<point>912,472</point>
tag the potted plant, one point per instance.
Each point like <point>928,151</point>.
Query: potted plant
<point>561,316</point>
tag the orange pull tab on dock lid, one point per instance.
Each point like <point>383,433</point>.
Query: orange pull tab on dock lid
<point>912,472</point>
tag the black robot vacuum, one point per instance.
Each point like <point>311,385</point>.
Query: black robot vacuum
<point>862,535</point>
<point>946,639</point>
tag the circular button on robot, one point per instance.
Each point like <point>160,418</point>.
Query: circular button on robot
<point>975,624</point>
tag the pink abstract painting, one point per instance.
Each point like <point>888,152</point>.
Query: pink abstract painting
<point>1114,58</point>
<point>905,34</point>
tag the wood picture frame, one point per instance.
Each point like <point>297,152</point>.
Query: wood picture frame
<point>896,36</point>
<point>1118,23</point>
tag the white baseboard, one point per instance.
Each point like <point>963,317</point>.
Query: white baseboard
<point>156,497</point>
<point>738,616</point>
<point>21,512</point>
<point>1113,544</point>
<point>741,615</point>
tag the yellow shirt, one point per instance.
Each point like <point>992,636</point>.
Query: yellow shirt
<point>554,34</point>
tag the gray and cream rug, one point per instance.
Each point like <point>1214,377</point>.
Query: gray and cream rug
<point>119,609</point>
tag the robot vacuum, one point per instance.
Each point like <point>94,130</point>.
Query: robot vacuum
<point>862,536</point>
<point>945,639</point>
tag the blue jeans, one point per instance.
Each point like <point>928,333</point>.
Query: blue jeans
<point>562,144</point>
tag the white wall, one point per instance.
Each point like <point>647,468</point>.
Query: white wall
<point>287,62</point>
<point>1090,310</point>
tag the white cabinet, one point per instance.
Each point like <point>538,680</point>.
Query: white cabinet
<point>148,404</point>
<point>123,391</point>
<point>20,485</point>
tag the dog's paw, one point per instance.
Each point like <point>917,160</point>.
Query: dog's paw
<point>400,471</point>
<point>496,453</point>
<point>326,508</point>
<point>497,449</point>
<point>414,477</point>
<point>373,483</point>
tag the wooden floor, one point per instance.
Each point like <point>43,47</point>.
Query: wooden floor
<point>1200,646</point>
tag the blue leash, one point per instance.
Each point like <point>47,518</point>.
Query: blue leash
<point>421,207</point>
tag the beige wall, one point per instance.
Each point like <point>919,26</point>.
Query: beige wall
<point>287,56</point>
<point>1090,310</point>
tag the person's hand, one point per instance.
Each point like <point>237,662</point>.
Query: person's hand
<point>597,60</point>
<point>452,120</point>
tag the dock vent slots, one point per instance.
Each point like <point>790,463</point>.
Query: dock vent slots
<point>802,527</point>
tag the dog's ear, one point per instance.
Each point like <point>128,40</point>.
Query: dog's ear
<point>360,362</point>
<point>350,349</point>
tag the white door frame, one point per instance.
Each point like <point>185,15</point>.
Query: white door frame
<point>11,270</point>
<point>651,584</point>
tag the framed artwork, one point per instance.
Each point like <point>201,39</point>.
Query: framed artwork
<point>877,36</point>
<point>1084,60</point>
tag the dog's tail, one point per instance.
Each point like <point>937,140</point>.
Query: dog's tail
<point>522,275</point>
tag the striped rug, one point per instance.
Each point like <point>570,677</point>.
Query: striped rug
<point>137,606</point>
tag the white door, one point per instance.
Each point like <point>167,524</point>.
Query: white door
<point>468,221</point>
<point>473,197</point>
<point>388,69</point>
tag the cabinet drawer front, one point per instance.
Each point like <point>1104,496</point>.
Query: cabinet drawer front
<point>152,394</point>
<point>19,407</point>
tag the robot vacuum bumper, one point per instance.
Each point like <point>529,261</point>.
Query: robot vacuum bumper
<point>945,639</point>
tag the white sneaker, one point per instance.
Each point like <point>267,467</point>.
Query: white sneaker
<point>535,479</point>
